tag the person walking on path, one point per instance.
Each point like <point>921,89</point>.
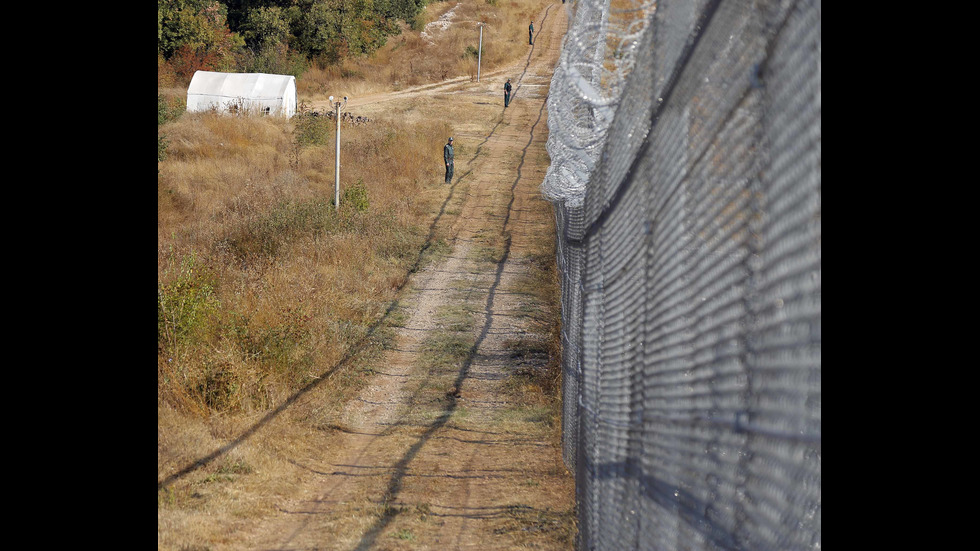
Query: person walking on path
<point>530,33</point>
<point>447,155</point>
<point>507,89</point>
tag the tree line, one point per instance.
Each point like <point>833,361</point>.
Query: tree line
<point>275,36</point>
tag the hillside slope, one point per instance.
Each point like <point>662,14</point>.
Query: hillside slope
<point>434,454</point>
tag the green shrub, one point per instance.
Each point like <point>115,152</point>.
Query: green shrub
<point>312,129</point>
<point>276,59</point>
<point>356,197</point>
<point>185,303</point>
<point>169,109</point>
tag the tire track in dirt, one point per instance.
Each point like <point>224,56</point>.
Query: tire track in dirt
<point>490,367</point>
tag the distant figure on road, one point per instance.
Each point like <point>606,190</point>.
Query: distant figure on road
<point>530,33</point>
<point>447,155</point>
<point>507,88</point>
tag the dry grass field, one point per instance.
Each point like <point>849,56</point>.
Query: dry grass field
<point>397,340</point>
<point>444,49</point>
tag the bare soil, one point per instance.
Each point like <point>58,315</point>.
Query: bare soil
<point>434,455</point>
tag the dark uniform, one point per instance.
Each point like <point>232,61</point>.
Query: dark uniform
<point>530,33</point>
<point>447,155</point>
<point>507,89</point>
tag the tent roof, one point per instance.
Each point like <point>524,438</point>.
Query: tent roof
<point>241,85</point>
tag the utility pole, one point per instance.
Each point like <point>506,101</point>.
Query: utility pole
<point>479,54</point>
<point>336,171</point>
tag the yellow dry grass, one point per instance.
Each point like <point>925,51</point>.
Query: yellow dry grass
<point>274,286</point>
<point>412,59</point>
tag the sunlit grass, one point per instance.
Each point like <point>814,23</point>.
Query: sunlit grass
<point>268,288</point>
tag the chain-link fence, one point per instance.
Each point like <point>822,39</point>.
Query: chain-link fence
<point>685,172</point>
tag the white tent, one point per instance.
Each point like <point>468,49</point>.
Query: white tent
<point>250,92</point>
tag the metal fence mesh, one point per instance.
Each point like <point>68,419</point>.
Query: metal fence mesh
<point>685,172</point>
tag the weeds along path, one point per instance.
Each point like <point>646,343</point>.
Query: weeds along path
<point>437,452</point>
